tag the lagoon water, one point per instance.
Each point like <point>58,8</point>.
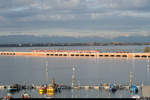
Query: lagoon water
<point>89,71</point>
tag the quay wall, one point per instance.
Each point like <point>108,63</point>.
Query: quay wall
<point>76,54</point>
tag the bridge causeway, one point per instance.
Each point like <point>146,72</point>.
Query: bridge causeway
<point>77,54</point>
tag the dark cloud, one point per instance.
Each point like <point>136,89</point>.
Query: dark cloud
<point>77,15</point>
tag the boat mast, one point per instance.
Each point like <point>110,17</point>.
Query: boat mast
<point>47,73</point>
<point>133,67</point>
<point>131,79</point>
<point>73,75</point>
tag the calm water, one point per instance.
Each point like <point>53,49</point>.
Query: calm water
<point>28,69</point>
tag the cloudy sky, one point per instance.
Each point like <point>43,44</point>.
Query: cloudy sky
<point>104,18</point>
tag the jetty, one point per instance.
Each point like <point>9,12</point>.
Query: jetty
<point>76,53</point>
<point>146,91</point>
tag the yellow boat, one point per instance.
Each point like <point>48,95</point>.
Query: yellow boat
<point>51,89</point>
<point>50,93</point>
<point>42,90</point>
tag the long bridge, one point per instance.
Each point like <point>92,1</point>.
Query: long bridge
<point>79,53</point>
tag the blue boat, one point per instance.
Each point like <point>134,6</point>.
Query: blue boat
<point>12,89</point>
<point>112,88</point>
<point>133,89</point>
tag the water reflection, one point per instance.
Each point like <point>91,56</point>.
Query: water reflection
<point>148,66</point>
<point>48,94</point>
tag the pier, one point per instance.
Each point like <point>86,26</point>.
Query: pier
<point>76,54</point>
<point>146,91</point>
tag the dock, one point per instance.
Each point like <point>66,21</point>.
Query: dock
<point>76,54</point>
<point>146,91</point>
<point>86,87</point>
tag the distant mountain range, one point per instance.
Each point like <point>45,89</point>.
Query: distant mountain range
<point>16,39</point>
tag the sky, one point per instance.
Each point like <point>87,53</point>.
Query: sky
<point>101,18</point>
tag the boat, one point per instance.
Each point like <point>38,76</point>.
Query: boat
<point>50,94</point>
<point>106,86</point>
<point>133,89</point>
<point>26,95</point>
<point>51,89</point>
<point>96,87</point>
<point>135,96</point>
<point>87,87</point>
<point>42,90</point>
<point>12,88</point>
<point>112,88</point>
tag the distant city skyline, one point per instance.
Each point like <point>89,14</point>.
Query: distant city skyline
<point>103,18</point>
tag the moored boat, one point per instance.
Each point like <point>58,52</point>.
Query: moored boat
<point>133,88</point>
<point>106,86</point>
<point>12,89</point>
<point>87,87</point>
<point>42,90</point>
<point>51,89</point>
<point>26,95</point>
<point>112,88</point>
<point>96,87</point>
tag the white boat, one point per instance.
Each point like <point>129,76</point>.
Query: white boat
<point>26,95</point>
<point>135,96</point>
